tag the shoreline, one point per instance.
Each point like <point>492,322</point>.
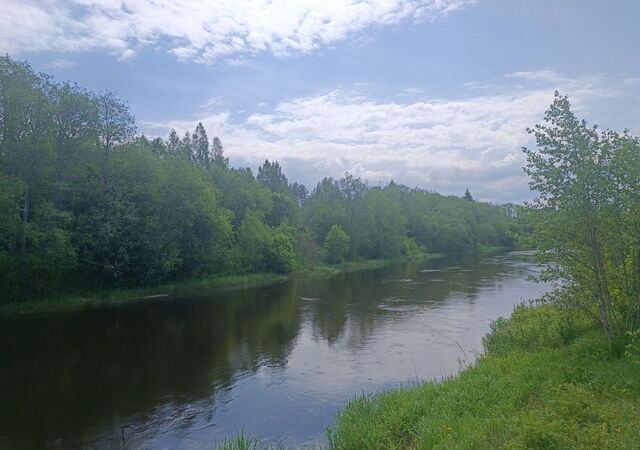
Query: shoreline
<point>545,380</point>
<point>107,298</point>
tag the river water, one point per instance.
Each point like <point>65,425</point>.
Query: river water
<point>277,362</point>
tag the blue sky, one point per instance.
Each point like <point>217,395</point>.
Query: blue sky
<point>430,93</point>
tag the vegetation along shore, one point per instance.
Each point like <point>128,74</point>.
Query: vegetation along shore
<point>88,206</point>
<point>563,372</point>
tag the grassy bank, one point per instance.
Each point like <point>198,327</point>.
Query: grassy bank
<point>548,380</point>
<point>111,297</point>
<point>327,270</point>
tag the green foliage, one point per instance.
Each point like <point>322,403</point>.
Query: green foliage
<point>264,248</point>
<point>11,192</point>
<point>84,203</point>
<point>270,174</point>
<point>379,220</point>
<point>532,328</point>
<point>336,244</point>
<point>632,348</point>
<point>585,221</point>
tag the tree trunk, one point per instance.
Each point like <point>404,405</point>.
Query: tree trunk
<point>25,218</point>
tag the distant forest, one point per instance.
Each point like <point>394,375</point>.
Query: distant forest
<point>85,202</point>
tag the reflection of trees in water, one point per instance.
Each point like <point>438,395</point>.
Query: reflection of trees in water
<point>352,306</point>
<point>64,375</point>
<point>162,365</point>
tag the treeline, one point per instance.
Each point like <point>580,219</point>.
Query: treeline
<point>87,203</point>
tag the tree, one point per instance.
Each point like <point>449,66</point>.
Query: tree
<point>300,193</point>
<point>200,143</point>
<point>270,174</point>
<point>74,117</point>
<point>115,125</point>
<point>174,146</point>
<point>186,148</point>
<point>159,148</point>
<point>467,195</point>
<point>217,151</point>
<point>76,213</point>
<point>585,218</point>
<point>324,208</point>
<point>336,244</point>
<point>265,249</point>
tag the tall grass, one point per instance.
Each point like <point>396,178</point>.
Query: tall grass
<point>243,442</point>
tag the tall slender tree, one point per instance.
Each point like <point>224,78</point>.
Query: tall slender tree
<point>115,125</point>
<point>200,143</point>
<point>217,153</point>
<point>270,174</point>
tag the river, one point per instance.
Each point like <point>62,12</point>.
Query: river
<point>277,362</point>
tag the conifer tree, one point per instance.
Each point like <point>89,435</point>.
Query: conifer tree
<point>200,143</point>
<point>217,153</point>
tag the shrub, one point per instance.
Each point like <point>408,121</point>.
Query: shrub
<point>336,244</point>
<point>532,328</point>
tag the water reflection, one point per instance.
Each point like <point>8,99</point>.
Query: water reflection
<point>277,361</point>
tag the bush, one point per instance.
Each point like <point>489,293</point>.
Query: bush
<point>336,244</point>
<point>532,328</point>
<point>632,348</point>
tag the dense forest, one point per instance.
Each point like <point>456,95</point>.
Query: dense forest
<point>85,202</point>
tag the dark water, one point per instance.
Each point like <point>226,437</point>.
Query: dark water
<point>277,362</point>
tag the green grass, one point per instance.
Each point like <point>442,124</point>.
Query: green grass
<point>242,442</point>
<point>327,270</point>
<point>548,381</point>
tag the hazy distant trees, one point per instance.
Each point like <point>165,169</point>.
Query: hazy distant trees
<point>270,174</point>
<point>467,195</point>
<point>217,153</point>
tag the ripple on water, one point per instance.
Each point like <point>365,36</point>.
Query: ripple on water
<point>398,280</point>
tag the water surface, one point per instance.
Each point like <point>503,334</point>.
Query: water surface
<point>276,361</point>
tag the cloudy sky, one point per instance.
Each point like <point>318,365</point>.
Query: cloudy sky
<point>430,93</point>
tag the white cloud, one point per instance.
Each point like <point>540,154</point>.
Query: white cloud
<point>60,63</point>
<point>127,54</point>
<point>440,144</point>
<point>203,31</point>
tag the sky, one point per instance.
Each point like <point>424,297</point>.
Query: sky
<point>430,93</point>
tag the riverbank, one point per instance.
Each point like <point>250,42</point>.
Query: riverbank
<point>115,297</point>
<point>547,380</point>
